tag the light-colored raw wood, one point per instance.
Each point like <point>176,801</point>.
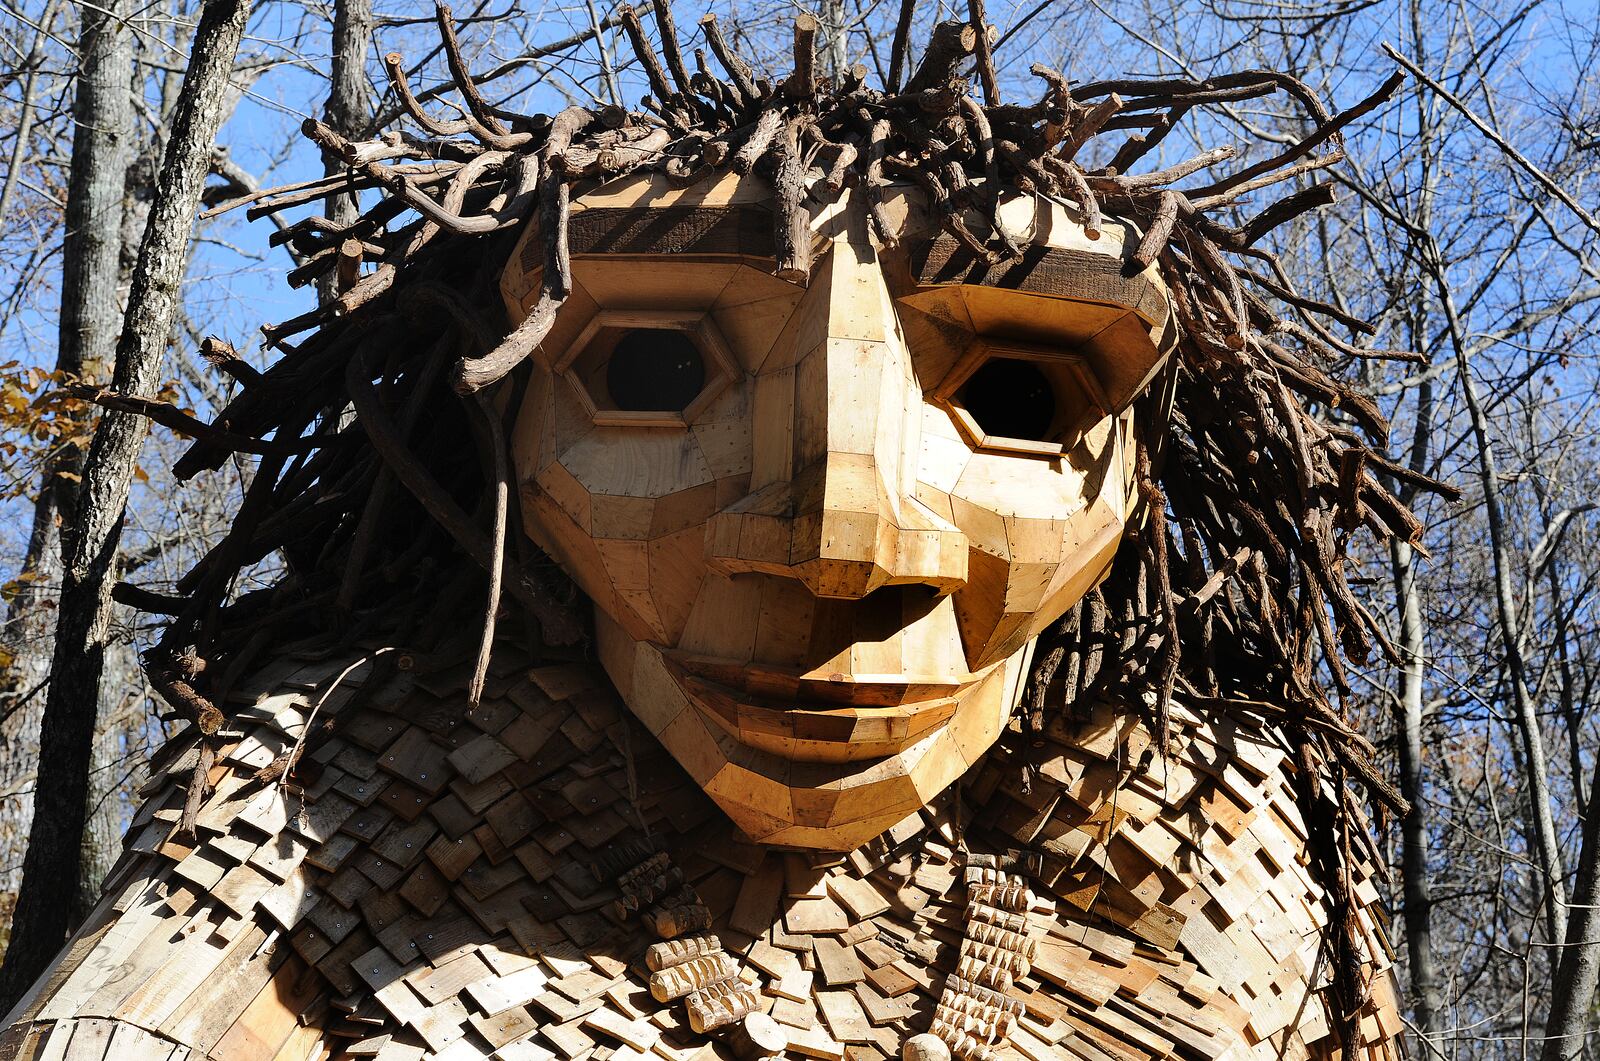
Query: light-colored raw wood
<point>891,559</point>
<point>926,1047</point>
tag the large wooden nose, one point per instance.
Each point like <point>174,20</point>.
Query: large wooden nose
<point>841,532</point>
<point>837,437</point>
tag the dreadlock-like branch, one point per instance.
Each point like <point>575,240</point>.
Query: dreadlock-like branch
<point>1236,595</point>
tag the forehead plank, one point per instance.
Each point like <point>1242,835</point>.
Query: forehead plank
<point>745,231</point>
<point>736,230</point>
<point>1053,271</point>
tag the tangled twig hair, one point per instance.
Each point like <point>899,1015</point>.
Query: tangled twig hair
<point>1237,594</point>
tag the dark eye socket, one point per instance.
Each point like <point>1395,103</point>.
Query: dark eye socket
<point>1012,398</point>
<point>655,369</point>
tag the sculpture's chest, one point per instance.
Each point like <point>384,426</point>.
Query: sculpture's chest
<point>489,883</point>
<point>538,874</point>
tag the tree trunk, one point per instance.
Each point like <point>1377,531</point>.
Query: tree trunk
<point>101,845</point>
<point>1418,900</point>
<point>44,906</point>
<point>1427,994</point>
<point>834,42</point>
<point>1541,823</point>
<point>349,111</point>
<point>1577,972</point>
<point>103,120</point>
<point>23,133</point>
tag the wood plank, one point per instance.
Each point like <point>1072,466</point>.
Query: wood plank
<point>890,980</point>
<point>757,905</point>
<point>845,1018</point>
<point>91,1037</point>
<point>814,917</point>
<point>858,896</point>
<point>839,964</point>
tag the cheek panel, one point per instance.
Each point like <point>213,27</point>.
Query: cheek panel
<point>1040,536</point>
<point>633,462</point>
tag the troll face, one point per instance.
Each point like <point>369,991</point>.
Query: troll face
<point>824,517</point>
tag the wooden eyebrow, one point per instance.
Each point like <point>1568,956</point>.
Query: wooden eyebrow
<point>1051,271</point>
<point>740,231</point>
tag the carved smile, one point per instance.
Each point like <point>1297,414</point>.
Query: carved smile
<point>804,716</point>
<point>800,686</point>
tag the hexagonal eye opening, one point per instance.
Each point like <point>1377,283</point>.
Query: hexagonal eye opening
<point>648,368</point>
<point>1015,398</point>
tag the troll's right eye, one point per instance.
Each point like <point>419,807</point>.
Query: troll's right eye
<point>655,369</point>
<point>648,368</point>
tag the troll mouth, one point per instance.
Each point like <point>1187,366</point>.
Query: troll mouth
<point>800,689</point>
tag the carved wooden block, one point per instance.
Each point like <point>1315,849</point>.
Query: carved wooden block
<point>676,981</point>
<point>721,1004</point>
<point>818,576</point>
<point>673,952</point>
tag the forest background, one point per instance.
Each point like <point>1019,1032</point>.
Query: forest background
<point>1464,228</point>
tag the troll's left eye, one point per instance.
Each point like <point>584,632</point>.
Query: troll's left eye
<point>655,368</point>
<point>1022,398</point>
<point>1012,398</point>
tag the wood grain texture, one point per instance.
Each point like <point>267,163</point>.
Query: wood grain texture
<point>817,592</point>
<point>823,559</point>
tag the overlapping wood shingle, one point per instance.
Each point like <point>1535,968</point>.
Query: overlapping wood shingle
<point>428,889</point>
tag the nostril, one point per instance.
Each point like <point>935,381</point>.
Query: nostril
<point>888,610</point>
<point>840,624</point>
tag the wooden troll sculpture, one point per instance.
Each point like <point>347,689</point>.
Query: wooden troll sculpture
<point>965,566</point>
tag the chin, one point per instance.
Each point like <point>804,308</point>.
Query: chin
<point>825,768</point>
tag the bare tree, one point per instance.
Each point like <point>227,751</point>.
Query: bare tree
<point>1474,262</point>
<point>44,908</point>
<point>1441,201</point>
<point>89,316</point>
<point>349,109</point>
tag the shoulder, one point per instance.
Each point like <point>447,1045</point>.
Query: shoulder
<point>419,878</point>
<point>425,884</point>
<point>1186,883</point>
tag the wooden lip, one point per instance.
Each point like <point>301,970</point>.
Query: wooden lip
<point>842,719</point>
<point>826,690</point>
<point>819,734</point>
